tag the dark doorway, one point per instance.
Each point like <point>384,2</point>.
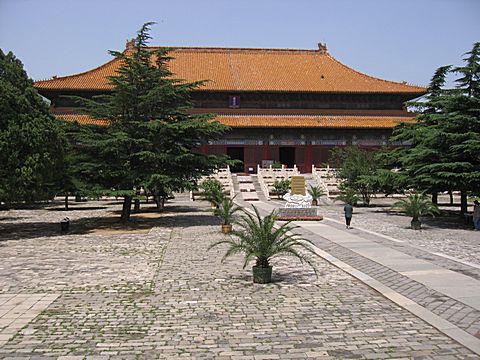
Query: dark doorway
<point>236,153</point>
<point>287,156</point>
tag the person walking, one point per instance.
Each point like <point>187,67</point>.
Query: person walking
<point>476,215</point>
<point>348,210</point>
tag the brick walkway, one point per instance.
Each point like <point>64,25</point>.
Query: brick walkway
<point>162,295</point>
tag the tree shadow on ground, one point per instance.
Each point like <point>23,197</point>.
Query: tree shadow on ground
<point>74,208</point>
<point>39,205</point>
<point>11,218</point>
<point>296,277</point>
<point>448,219</point>
<point>175,216</point>
<point>372,205</point>
<point>279,277</point>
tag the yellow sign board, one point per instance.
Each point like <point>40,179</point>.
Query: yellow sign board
<point>297,185</point>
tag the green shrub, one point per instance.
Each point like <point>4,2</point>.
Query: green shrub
<point>280,187</point>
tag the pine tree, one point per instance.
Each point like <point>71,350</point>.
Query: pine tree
<point>463,128</point>
<point>356,167</point>
<point>31,142</point>
<point>151,140</point>
<point>81,170</point>
<point>444,152</point>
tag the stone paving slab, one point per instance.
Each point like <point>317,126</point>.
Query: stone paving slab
<point>66,261</point>
<point>17,310</point>
<point>189,304</point>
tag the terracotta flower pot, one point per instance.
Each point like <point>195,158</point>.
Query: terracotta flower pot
<point>226,229</point>
<point>262,275</point>
<point>416,224</point>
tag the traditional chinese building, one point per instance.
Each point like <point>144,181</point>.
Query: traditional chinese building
<point>284,105</point>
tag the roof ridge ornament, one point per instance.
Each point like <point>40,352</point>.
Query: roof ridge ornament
<point>322,48</point>
<point>130,44</point>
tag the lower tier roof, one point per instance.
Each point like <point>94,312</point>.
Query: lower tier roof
<point>281,121</point>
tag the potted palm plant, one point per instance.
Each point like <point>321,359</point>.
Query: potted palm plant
<point>316,192</point>
<point>212,192</point>
<point>417,205</point>
<point>225,211</point>
<point>259,239</point>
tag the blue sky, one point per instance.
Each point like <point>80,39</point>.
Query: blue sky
<point>395,40</point>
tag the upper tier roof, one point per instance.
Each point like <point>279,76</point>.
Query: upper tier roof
<point>236,69</point>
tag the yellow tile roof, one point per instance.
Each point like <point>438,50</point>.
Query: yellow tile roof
<point>309,121</point>
<point>283,121</point>
<point>232,69</point>
<point>82,119</point>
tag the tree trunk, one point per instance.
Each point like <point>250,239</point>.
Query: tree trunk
<point>435,198</point>
<point>160,201</point>
<point>126,208</point>
<point>451,197</point>
<point>66,202</point>
<point>366,198</point>
<point>463,203</point>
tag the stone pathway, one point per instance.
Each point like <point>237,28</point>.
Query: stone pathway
<point>162,294</point>
<point>443,235</point>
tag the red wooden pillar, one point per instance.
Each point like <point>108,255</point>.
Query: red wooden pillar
<point>204,149</point>
<point>249,157</point>
<point>265,152</point>
<point>308,158</point>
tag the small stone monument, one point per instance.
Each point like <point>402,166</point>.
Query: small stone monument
<point>297,184</point>
<point>299,204</point>
<point>296,197</point>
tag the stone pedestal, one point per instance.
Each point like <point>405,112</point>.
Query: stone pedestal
<point>297,201</point>
<point>299,214</point>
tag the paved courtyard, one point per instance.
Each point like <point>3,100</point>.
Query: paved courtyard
<point>154,291</point>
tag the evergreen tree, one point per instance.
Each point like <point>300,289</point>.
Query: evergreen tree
<point>31,142</point>
<point>356,166</point>
<point>444,152</point>
<point>81,171</point>
<point>151,140</point>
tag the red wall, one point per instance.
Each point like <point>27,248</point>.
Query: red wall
<point>305,155</point>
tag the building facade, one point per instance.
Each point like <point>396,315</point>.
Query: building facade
<point>286,105</point>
